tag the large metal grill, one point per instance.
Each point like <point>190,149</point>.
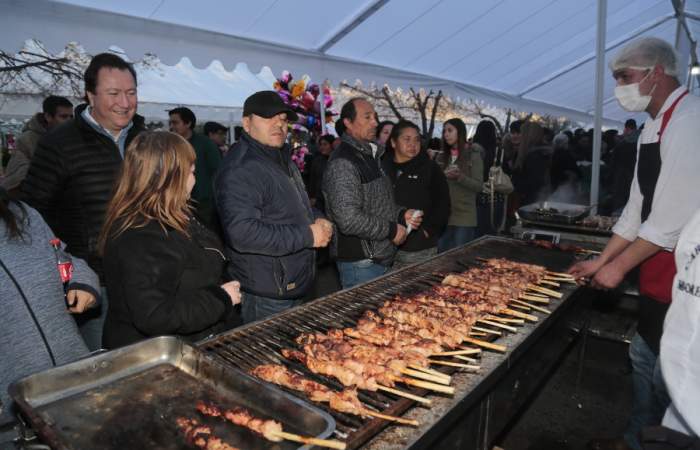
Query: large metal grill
<point>261,342</point>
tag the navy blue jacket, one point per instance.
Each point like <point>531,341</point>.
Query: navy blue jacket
<point>265,214</point>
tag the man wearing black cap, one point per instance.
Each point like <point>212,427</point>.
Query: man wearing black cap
<point>265,213</point>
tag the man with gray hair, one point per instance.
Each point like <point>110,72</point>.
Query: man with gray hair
<point>663,197</point>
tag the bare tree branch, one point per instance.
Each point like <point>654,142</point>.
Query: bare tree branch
<point>436,106</point>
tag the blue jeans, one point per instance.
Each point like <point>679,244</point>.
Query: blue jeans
<point>358,272</point>
<point>91,323</point>
<point>650,396</point>
<point>255,307</point>
<point>455,236</point>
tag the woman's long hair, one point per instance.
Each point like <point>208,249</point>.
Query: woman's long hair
<point>152,185</point>
<point>13,222</point>
<point>532,135</point>
<point>461,134</point>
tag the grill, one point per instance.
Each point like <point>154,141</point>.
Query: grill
<point>261,342</point>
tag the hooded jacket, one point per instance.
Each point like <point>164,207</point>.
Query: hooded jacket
<point>421,184</point>
<point>70,182</point>
<point>18,165</point>
<point>266,216</point>
<point>359,199</point>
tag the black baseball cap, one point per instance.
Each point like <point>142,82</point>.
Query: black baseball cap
<point>267,104</point>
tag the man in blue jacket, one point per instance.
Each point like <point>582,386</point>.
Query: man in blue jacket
<point>268,223</point>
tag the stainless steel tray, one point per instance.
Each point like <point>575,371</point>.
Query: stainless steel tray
<point>129,398</point>
<point>554,212</point>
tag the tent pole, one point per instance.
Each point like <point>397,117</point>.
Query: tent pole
<point>598,117</point>
<point>322,104</point>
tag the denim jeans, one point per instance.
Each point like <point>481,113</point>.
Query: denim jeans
<point>455,236</point>
<point>91,323</point>
<point>255,307</point>
<point>358,272</point>
<point>650,396</point>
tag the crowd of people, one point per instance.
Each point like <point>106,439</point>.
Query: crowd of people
<point>170,230</point>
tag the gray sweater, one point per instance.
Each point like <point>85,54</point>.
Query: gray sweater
<point>32,262</point>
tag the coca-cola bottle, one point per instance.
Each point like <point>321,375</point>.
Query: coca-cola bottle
<point>63,261</point>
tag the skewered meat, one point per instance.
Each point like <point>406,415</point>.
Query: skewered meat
<point>200,435</point>
<point>269,429</point>
<point>345,401</point>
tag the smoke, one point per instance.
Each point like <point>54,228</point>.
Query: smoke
<point>567,192</point>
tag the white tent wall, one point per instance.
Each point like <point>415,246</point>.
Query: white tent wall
<point>56,23</point>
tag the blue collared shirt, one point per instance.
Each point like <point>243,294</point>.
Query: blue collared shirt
<point>119,140</point>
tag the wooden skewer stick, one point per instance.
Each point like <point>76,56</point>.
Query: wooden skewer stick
<point>549,282</point>
<point>407,395</point>
<point>560,274</point>
<point>498,325</point>
<point>536,308</point>
<point>368,412</point>
<point>427,385</point>
<point>520,307</point>
<point>504,320</point>
<point>520,315</point>
<point>432,372</point>
<point>484,344</point>
<point>467,351</point>
<point>563,280</point>
<point>487,331</point>
<point>477,334</point>
<point>454,364</point>
<point>309,440</point>
<point>464,358</point>
<point>534,298</point>
<point>545,291</point>
<point>424,376</point>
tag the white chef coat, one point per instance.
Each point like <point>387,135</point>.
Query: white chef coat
<point>680,343</point>
<point>677,192</point>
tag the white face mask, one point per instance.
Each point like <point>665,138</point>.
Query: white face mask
<point>631,99</point>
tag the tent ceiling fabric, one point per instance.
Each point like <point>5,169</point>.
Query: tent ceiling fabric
<point>536,55</point>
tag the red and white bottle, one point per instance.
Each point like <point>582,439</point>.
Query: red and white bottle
<point>63,261</point>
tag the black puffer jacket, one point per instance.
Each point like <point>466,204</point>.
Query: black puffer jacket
<point>70,183</point>
<point>266,216</point>
<point>162,283</point>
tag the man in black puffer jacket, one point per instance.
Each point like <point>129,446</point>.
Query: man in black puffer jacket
<point>265,213</point>
<point>71,176</point>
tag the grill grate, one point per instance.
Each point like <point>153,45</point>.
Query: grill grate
<point>261,342</point>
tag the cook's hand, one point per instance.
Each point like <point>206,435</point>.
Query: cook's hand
<point>322,231</point>
<point>79,301</point>
<point>585,269</point>
<point>233,289</point>
<point>608,277</point>
<point>413,221</point>
<point>400,235</point>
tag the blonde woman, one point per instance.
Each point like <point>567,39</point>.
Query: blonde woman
<point>163,269</point>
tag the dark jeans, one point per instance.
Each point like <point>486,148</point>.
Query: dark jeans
<point>358,272</point>
<point>650,396</point>
<point>454,236</point>
<point>254,307</point>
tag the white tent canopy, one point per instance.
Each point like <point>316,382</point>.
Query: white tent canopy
<point>537,55</point>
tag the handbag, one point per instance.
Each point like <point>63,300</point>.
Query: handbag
<point>498,182</point>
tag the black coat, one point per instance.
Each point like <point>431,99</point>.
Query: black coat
<point>162,283</point>
<point>532,181</point>
<point>265,214</point>
<point>421,184</point>
<point>70,182</point>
